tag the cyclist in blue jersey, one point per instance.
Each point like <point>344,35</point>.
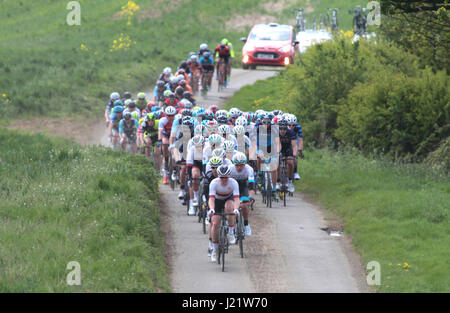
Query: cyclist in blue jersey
<point>297,128</point>
<point>207,65</point>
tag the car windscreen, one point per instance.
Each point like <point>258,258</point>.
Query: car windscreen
<point>268,33</point>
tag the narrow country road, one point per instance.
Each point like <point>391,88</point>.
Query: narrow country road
<point>287,252</point>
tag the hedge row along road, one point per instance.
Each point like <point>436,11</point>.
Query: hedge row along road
<point>287,252</point>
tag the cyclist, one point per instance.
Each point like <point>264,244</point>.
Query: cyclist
<point>214,141</point>
<point>127,96</point>
<point>203,48</point>
<point>213,164</point>
<point>158,92</point>
<point>128,128</point>
<point>230,46</point>
<point>112,98</point>
<point>141,101</point>
<point>171,101</point>
<point>289,150</point>
<point>223,196</point>
<point>166,75</point>
<point>194,66</point>
<point>195,165</point>
<point>297,128</point>
<point>265,133</point>
<point>148,134</point>
<point>116,116</point>
<point>165,126</point>
<point>131,109</point>
<point>242,141</point>
<point>244,175</point>
<point>222,52</point>
<point>207,66</point>
<point>188,96</point>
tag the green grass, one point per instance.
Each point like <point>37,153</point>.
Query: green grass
<point>43,69</point>
<point>394,213</point>
<point>62,203</point>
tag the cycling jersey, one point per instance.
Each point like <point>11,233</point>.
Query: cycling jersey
<point>297,130</point>
<point>135,110</point>
<point>264,138</point>
<point>115,120</point>
<point>225,53</point>
<point>194,66</point>
<point>129,130</point>
<point>148,130</point>
<point>165,125</point>
<point>173,103</point>
<point>244,178</point>
<point>220,192</point>
<point>286,142</point>
<point>110,105</point>
<point>200,52</point>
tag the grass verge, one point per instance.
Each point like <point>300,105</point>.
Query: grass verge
<point>62,203</point>
<point>397,215</point>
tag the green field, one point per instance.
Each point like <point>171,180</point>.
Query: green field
<point>50,68</point>
<point>63,203</point>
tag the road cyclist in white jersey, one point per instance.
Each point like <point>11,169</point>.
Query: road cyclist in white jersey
<point>223,197</point>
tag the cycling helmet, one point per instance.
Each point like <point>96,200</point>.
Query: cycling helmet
<point>167,93</point>
<point>187,95</point>
<point>224,129</point>
<point>135,115</point>
<point>155,108</point>
<point>171,95</point>
<point>118,102</point>
<point>223,170</point>
<point>167,71</point>
<point>114,96</point>
<point>187,122</point>
<point>294,118</point>
<point>234,112</point>
<point>150,116</point>
<point>239,130</point>
<point>187,104</point>
<point>186,112</point>
<point>209,114</point>
<point>170,111</point>
<point>277,112</point>
<point>215,162</point>
<point>228,146</point>
<point>239,158</point>
<point>221,113</point>
<point>203,46</point>
<point>283,123</point>
<point>181,71</point>
<point>222,120</point>
<point>173,80</point>
<point>127,95</point>
<point>219,152</point>
<point>212,123</point>
<point>192,53</point>
<point>150,105</point>
<point>214,108</point>
<point>160,83</point>
<point>118,109</point>
<point>182,83</point>
<point>130,103</point>
<point>179,91</point>
<point>224,41</point>
<point>215,139</point>
<point>270,115</point>
<point>200,129</point>
<point>141,96</point>
<point>158,114</point>
<point>127,116</point>
<point>290,119</point>
<point>198,140</point>
<point>194,58</point>
<point>207,54</point>
<point>241,121</point>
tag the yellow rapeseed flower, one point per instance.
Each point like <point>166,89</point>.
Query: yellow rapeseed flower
<point>4,95</point>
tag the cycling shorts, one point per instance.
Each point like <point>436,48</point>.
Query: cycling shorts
<point>219,205</point>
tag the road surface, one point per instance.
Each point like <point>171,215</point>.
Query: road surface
<point>287,252</point>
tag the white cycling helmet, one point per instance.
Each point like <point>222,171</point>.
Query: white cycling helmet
<point>239,158</point>
<point>219,152</point>
<point>170,110</point>
<point>220,113</point>
<point>200,129</point>
<point>224,129</point>
<point>224,170</point>
<point>234,112</point>
<point>167,71</point>
<point>186,103</point>
<point>203,46</point>
<point>239,130</point>
<point>115,96</point>
<point>242,121</point>
<point>291,119</point>
<point>228,146</point>
<point>198,140</point>
<point>215,139</point>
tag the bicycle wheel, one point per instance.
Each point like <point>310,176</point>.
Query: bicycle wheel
<point>269,190</point>
<point>204,220</point>
<point>224,247</point>
<point>187,197</point>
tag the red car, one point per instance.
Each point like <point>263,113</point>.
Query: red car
<point>269,44</point>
